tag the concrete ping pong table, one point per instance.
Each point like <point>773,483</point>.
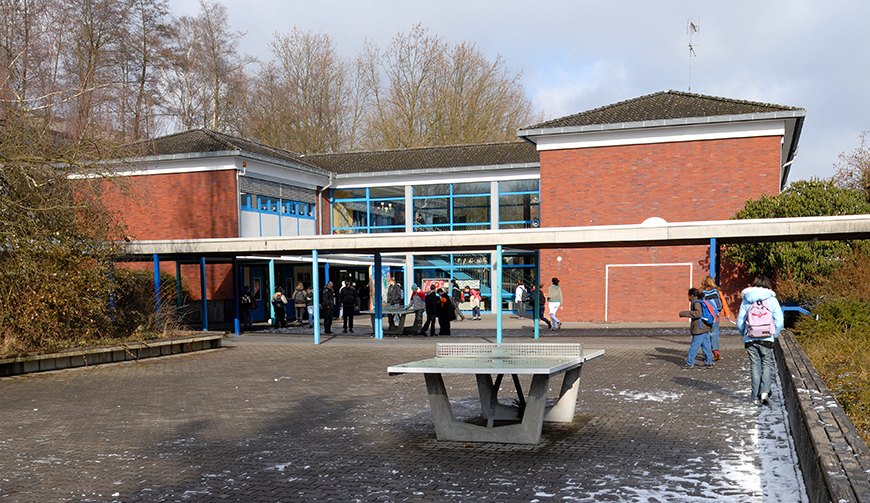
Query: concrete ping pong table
<point>541,361</point>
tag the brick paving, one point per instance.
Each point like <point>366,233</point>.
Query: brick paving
<point>276,418</point>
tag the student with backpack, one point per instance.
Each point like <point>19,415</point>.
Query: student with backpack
<point>710,292</point>
<point>760,320</point>
<point>279,303</point>
<point>702,314</point>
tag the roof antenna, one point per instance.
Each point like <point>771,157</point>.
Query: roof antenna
<point>692,26</point>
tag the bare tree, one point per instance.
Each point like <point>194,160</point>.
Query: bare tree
<point>853,168</point>
<point>302,96</point>
<point>422,91</point>
<point>140,60</point>
<point>206,78</point>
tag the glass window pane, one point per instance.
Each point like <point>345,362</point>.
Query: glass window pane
<point>431,214</point>
<point>468,210</point>
<point>387,213</point>
<point>349,214</point>
<point>263,203</point>
<point>518,208</point>
<point>349,193</point>
<point>385,192</point>
<point>519,186</point>
<point>471,188</point>
<point>245,200</point>
<point>439,189</point>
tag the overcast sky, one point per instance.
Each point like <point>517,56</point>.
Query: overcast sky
<point>578,55</point>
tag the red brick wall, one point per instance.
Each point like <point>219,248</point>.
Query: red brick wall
<point>689,181</point>
<point>181,206</point>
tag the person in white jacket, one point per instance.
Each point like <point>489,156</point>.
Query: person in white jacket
<point>759,341</point>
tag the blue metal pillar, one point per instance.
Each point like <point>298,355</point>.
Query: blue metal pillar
<point>178,298</point>
<point>271,290</point>
<point>537,294</point>
<point>315,284</point>
<point>714,260</point>
<point>325,273</point>
<point>496,293</point>
<point>204,294</point>
<point>376,274</point>
<point>237,289</point>
<point>156,283</point>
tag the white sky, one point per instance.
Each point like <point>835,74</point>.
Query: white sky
<point>581,54</point>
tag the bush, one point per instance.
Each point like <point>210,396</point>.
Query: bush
<point>837,345</point>
<point>82,306</point>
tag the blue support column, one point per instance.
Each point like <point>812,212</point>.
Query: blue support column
<point>156,283</point>
<point>271,290</point>
<point>315,284</point>
<point>178,297</point>
<point>203,290</point>
<point>325,273</point>
<point>496,293</point>
<point>537,303</point>
<point>237,288</point>
<point>379,323</point>
<point>714,260</point>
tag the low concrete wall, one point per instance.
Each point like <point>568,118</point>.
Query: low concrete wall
<point>82,357</point>
<point>834,460</point>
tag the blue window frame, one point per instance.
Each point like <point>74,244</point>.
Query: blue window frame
<point>519,204</point>
<point>368,210</point>
<point>452,206</point>
<point>277,206</point>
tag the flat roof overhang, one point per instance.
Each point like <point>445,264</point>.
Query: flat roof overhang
<point>605,236</point>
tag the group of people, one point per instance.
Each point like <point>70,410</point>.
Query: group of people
<point>443,305</point>
<point>759,320</point>
<point>552,300</point>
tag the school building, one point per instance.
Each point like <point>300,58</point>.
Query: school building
<point>671,156</point>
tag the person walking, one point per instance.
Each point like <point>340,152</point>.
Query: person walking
<point>349,299</point>
<point>710,292</point>
<point>554,301</point>
<point>446,314</point>
<point>474,298</point>
<point>417,302</point>
<point>457,300</point>
<point>248,305</point>
<point>520,297</point>
<point>279,302</point>
<point>395,299</point>
<point>699,329</point>
<point>433,305</point>
<point>299,302</point>
<point>760,320</point>
<point>542,300</point>
<point>327,307</point>
<point>309,305</point>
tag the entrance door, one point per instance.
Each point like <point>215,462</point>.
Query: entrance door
<point>260,291</point>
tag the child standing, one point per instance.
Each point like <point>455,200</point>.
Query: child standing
<point>700,331</point>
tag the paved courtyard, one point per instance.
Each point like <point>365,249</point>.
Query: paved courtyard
<point>272,417</point>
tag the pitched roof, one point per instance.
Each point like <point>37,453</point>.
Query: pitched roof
<point>206,140</point>
<point>662,105</point>
<point>452,156</point>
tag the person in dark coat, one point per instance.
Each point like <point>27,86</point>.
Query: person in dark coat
<point>458,298</point>
<point>446,314</point>
<point>349,299</point>
<point>327,307</point>
<point>433,305</point>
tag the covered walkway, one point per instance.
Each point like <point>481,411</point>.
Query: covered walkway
<point>651,233</point>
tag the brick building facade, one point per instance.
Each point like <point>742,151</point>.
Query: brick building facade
<point>669,155</point>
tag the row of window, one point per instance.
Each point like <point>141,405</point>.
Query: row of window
<point>286,207</point>
<point>437,207</point>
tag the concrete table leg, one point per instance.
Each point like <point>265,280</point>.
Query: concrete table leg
<point>526,432</point>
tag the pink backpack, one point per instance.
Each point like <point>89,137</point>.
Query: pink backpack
<point>759,321</point>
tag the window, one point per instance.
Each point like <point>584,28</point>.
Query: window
<point>368,210</point>
<point>447,207</point>
<point>519,204</point>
